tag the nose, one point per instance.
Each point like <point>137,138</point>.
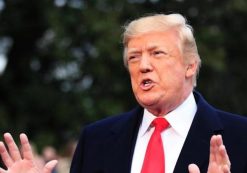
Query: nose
<point>145,64</point>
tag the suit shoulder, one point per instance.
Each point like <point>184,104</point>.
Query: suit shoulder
<point>233,120</point>
<point>114,120</point>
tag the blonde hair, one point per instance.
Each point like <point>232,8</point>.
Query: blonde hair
<point>162,22</point>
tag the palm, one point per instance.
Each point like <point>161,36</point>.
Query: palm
<point>214,168</point>
<point>23,166</point>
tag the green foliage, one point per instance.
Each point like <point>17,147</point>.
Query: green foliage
<point>65,66</point>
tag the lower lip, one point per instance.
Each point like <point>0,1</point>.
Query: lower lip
<point>147,86</point>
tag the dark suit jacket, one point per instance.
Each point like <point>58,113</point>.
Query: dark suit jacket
<point>107,146</point>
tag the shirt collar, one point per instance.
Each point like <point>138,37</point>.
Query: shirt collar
<point>180,119</point>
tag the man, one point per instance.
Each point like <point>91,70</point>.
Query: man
<point>161,56</point>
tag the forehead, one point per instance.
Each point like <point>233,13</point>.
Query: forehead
<point>154,39</point>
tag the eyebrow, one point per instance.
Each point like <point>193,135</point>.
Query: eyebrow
<point>136,50</point>
<point>133,51</point>
<point>152,47</point>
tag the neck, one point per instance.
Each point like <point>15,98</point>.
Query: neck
<point>161,110</point>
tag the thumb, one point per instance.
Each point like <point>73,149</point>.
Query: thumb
<point>49,166</point>
<point>193,168</point>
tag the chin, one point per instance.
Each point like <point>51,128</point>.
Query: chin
<point>147,102</point>
<point>147,98</point>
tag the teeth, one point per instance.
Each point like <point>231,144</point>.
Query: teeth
<point>146,82</point>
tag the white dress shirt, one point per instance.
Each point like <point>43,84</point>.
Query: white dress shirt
<point>173,137</point>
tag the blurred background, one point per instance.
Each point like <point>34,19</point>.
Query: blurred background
<point>61,62</point>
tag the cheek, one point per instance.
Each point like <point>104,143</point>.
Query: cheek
<point>134,81</point>
<point>172,76</point>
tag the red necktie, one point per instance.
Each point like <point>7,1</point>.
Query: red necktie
<point>154,161</point>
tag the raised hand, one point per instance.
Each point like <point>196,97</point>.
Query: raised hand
<point>219,161</point>
<point>21,160</point>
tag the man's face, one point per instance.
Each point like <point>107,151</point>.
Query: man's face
<point>160,78</point>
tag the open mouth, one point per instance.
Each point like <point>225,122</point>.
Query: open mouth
<point>146,84</point>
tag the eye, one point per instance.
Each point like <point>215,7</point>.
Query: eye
<point>133,57</point>
<point>158,52</point>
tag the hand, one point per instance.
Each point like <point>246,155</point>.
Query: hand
<point>22,161</point>
<point>218,159</point>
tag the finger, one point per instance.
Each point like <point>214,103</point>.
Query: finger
<point>219,143</point>
<point>212,153</point>
<point>49,166</point>
<point>26,147</point>
<point>193,168</point>
<point>226,169</point>
<point>2,170</point>
<point>13,149</point>
<point>7,160</point>
<point>219,140</point>
<point>224,156</point>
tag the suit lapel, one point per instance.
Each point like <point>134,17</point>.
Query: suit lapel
<point>196,146</point>
<point>122,142</point>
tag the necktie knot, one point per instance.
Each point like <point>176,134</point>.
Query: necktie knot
<point>160,124</point>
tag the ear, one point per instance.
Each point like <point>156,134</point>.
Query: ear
<point>191,68</point>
